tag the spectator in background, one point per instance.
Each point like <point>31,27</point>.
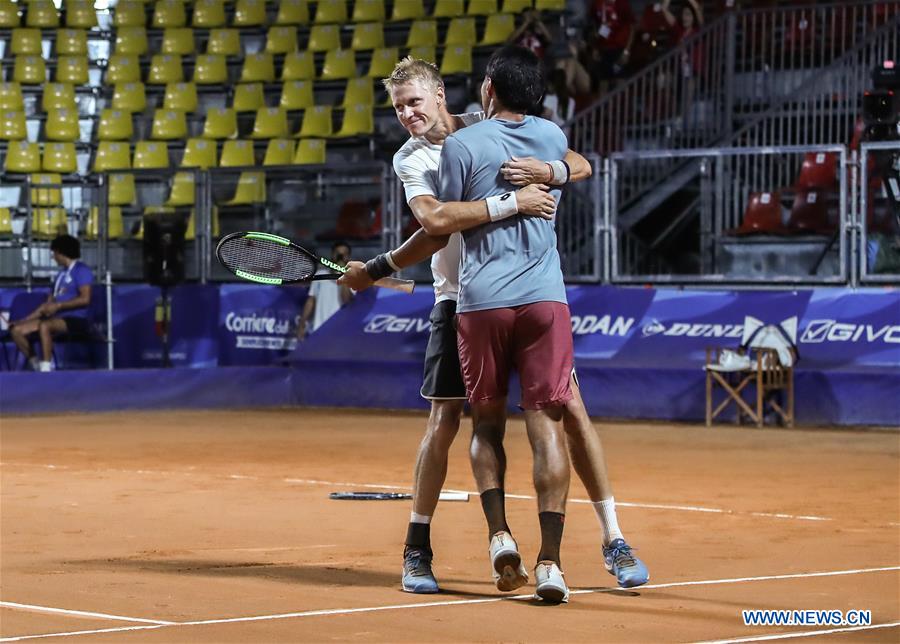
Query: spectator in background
<point>325,297</point>
<point>568,58</point>
<point>532,34</point>
<point>65,310</point>
<point>689,22</point>
<point>613,32</point>
<point>558,105</point>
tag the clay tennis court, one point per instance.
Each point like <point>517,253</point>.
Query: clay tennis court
<point>217,527</point>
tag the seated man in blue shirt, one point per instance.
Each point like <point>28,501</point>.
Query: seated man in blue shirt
<point>65,310</point>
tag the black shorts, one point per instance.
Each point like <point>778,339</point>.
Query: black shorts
<point>443,376</point>
<point>78,327</point>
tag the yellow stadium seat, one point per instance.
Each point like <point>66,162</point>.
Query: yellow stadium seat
<point>408,10</point>
<point>112,155</point>
<point>251,189</point>
<point>80,14</point>
<point>121,190</point>
<point>550,5</point>
<point>22,156</point>
<point>210,69</point>
<point>225,42</point>
<point>114,125</point>
<point>236,154</point>
<point>368,35</point>
<point>169,13</point>
<point>359,92</point>
<point>331,12</point>
<point>316,123</point>
<point>58,95</point>
<point>62,125</point>
<point>281,39</point>
<point>129,13</point>
<point>457,60</point>
<point>298,65</point>
<point>123,69</point>
<point>339,63</point>
<point>199,153</point>
<point>59,157</point>
<point>358,121</point>
<point>369,11</point>
<point>448,8</point>
<point>25,41</point>
<point>12,126</point>
<point>29,70</point>
<point>258,68</point>
<point>279,152</point>
<point>182,192</point>
<point>292,12</point>
<point>9,15</point>
<point>71,42</point>
<point>209,14</point>
<point>151,155</point>
<point>220,123</point>
<point>270,123</point>
<point>129,97</point>
<point>72,69</point>
<point>324,38</point>
<point>383,62</point>
<point>310,151</point>
<point>41,14</point>
<point>516,6</point>
<point>461,32</point>
<point>131,41</point>
<point>11,96</point>
<point>47,223</point>
<point>249,13</point>
<point>248,97</point>
<point>426,53</point>
<point>181,96</point>
<point>498,29</point>
<point>5,223</point>
<point>297,95</point>
<point>114,225</point>
<point>164,69</point>
<point>46,196</point>
<point>422,33</point>
<point>168,125</point>
<point>482,7</point>
<point>178,40</point>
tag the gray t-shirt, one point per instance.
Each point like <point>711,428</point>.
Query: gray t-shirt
<point>513,261</point>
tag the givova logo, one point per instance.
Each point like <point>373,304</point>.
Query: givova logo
<point>387,323</point>
<point>833,331</point>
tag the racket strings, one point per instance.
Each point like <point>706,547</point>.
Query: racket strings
<point>267,259</point>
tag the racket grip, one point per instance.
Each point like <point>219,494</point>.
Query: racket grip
<point>406,286</point>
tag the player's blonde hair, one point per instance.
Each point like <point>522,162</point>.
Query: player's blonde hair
<point>414,69</point>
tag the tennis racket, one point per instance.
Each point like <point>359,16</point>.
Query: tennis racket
<point>270,259</point>
<point>392,496</point>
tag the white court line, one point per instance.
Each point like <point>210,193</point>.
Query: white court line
<point>82,613</point>
<point>450,602</point>
<point>784,636</point>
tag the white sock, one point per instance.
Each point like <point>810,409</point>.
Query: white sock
<point>45,366</point>
<point>419,518</point>
<point>606,512</point>
<point>34,363</point>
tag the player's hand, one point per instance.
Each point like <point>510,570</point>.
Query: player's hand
<point>522,172</point>
<point>51,308</point>
<point>356,277</point>
<point>536,200</point>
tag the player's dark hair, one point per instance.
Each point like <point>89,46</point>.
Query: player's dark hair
<point>66,245</point>
<point>515,73</point>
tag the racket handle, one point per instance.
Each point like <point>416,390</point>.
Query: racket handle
<point>406,286</point>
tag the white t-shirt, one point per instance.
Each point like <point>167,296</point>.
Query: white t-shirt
<point>416,164</point>
<point>328,301</point>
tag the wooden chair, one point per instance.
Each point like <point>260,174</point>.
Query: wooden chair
<point>764,362</point>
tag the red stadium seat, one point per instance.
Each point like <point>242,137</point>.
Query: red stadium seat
<point>810,213</point>
<point>763,215</point>
<point>819,170</point>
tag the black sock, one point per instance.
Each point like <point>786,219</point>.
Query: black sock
<point>493,502</point>
<point>551,535</point>
<point>418,535</point>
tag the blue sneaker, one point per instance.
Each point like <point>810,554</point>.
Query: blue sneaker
<point>417,575</point>
<point>621,562</point>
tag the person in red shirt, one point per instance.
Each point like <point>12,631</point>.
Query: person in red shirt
<point>532,34</point>
<point>613,34</point>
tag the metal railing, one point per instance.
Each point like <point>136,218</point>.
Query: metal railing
<point>878,214</point>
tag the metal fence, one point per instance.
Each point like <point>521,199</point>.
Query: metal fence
<point>877,219</point>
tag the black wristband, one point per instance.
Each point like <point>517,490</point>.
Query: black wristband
<point>568,171</point>
<point>379,267</point>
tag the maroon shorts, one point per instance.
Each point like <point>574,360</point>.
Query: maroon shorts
<point>535,339</point>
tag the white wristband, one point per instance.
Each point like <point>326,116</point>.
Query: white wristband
<point>502,206</point>
<point>560,174</point>
<point>390,260</point>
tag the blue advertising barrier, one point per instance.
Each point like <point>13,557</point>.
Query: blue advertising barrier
<point>257,325</point>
